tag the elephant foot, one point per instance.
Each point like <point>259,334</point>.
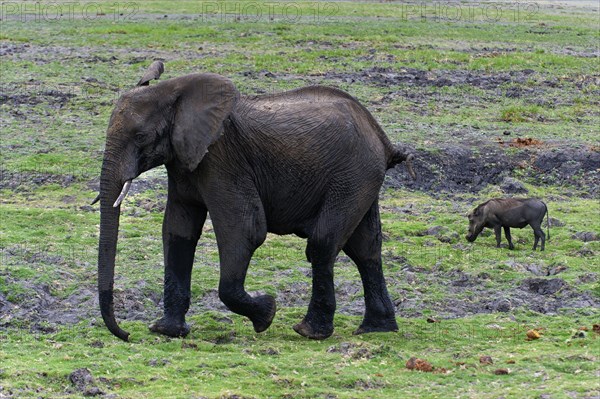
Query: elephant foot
<point>382,326</point>
<point>170,328</point>
<point>266,309</point>
<point>305,329</point>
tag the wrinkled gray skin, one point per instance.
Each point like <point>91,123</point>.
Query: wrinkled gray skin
<point>505,213</point>
<point>308,162</point>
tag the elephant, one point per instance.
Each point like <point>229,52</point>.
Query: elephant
<point>308,162</point>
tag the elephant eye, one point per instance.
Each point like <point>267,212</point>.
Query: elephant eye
<point>140,138</point>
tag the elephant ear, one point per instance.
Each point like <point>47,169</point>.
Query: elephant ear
<point>204,102</point>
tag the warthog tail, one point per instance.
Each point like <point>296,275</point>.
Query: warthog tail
<point>547,220</point>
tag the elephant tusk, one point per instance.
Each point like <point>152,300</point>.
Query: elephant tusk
<point>409,166</point>
<point>124,192</point>
<point>96,200</point>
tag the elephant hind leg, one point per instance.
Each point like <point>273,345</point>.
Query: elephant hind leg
<point>318,321</point>
<point>364,248</point>
<point>332,229</point>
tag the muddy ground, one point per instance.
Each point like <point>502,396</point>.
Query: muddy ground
<point>540,290</point>
<point>455,168</point>
<point>446,169</point>
<point>466,295</point>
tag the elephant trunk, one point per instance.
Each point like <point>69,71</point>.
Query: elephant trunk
<point>110,186</point>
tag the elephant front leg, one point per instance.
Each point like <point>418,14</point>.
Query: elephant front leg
<point>237,238</point>
<point>182,227</point>
<point>260,309</point>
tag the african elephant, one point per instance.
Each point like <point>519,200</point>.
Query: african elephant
<point>308,162</point>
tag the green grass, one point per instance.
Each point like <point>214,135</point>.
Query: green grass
<point>222,359</point>
<point>59,83</point>
<point>520,114</point>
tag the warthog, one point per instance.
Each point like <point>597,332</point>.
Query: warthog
<point>507,213</point>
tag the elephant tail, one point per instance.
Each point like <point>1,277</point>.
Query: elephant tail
<point>394,154</point>
<point>400,155</point>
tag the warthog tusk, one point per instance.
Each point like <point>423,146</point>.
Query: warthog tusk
<point>124,192</point>
<point>409,166</point>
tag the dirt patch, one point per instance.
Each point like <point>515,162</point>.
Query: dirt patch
<point>44,54</point>
<point>591,53</point>
<point>354,350</point>
<point>467,295</point>
<point>36,94</point>
<point>54,97</point>
<point>492,52</point>
<point>141,304</point>
<point>8,49</point>
<point>522,142</point>
<point>27,180</point>
<point>542,286</point>
<point>575,166</point>
<point>586,236</point>
<point>41,309</point>
<point>513,186</point>
<point>295,294</point>
<point>420,87</point>
<point>455,169</point>
<point>84,383</point>
<point>386,76</point>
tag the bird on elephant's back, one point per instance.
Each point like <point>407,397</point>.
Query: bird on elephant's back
<point>308,162</point>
